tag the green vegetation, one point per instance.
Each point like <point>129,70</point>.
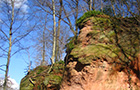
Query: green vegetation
<point>41,78</point>
<point>88,15</point>
<point>94,51</point>
<point>53,80</point>
<point>71,44</point>
<point>111,37</point>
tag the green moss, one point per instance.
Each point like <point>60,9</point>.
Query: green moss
<point>93,51</point>
<point>40,69</point>
<point>71,44</point>
<point>25,85</point>
<point>55,79</point>
<point>100,22</point>
<point>87,15</point>
<point>41,77</point>
<point>86,59</point>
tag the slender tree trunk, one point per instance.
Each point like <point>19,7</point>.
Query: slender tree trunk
<point>76,17</point>
<point>101,6</point>
<point>43,53</point>
<point>113,8</point>
<point>54,34</point>
<point>90,5</point>
<point>121,6</point>
<point>57,57</point>
<point>93,5</point>
<point>30,63</point>
<point>10,47</point>
<point>138,3</point>
<point>44,43</point>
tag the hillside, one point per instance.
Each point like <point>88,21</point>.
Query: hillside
<point>43,78</point>
<point>104,56</point>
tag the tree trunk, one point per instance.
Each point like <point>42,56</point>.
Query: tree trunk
<point>54,34</point>
<point>43,53</point>
<point>90,5</point>
<point>138,3</point>
<point>93,5</point>
<point>10,47</point>
<point>44,43</point>
<point>113,8</point>
<point>121,5</point>
<point>57,57</point>
<point>76,17</point>
<point>101,6</point>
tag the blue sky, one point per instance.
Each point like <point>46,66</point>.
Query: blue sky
<point>16,69</point>
<point>17,66</point>
<point>17,63</point>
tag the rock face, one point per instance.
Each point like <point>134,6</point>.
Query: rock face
<point>95,62</point>
<point>97,77</point>
<point>104,56</point>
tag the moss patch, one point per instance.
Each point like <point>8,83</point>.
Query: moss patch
<point>91,52</point>
<point>42,79</point>
<point>87,15</point>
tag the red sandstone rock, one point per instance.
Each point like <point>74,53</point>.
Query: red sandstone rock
<point>99,75</point>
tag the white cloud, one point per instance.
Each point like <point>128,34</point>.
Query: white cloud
<point>24,8</point>
<point>18,4</point>
<point>11,83</point>
<point>14,83</point>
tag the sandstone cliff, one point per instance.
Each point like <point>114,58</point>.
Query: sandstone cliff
<point>104,56</point>
<point>97,62</point>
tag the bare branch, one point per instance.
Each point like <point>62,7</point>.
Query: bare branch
<point>4,34</point>
<point>3,49</point>
<point>2,70</point>
<point>2,65</point>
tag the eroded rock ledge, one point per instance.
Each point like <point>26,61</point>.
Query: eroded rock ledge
<point>94,63</point>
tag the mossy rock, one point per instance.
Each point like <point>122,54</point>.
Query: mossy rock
<point>91,52</point>
<point>42,78</point>
<point>111,37</point>
<point>86,16</point>
<point>53,79</point>
<point>86,59</point>
<point>25,84</point>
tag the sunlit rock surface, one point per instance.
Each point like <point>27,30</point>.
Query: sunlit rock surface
<point>103,58</point>
<point>94,63</point>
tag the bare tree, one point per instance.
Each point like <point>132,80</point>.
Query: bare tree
<point>76,15</point>
<point>54,34</point>
<point>10,30</point>
<point>91,4</point>
<point>44,44</point>
<point>57,57</point>
<point>10,45</point>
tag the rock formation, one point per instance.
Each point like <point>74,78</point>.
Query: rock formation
<point>94,63</point>
<point>104,56</point>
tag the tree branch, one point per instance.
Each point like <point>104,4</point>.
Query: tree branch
<point>4,34</point>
